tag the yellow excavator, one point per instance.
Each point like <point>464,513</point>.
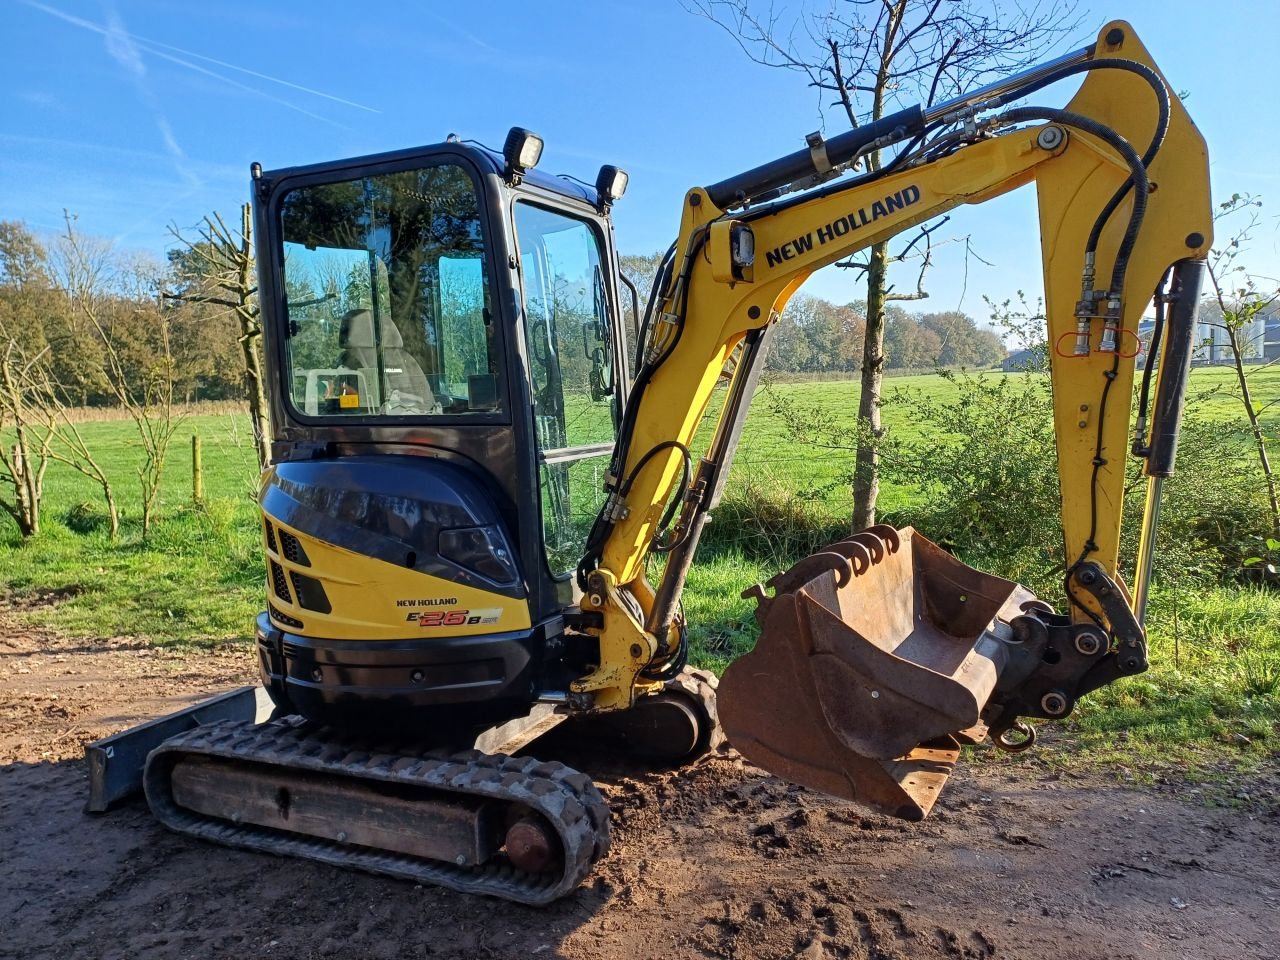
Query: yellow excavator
<point>470,480</point>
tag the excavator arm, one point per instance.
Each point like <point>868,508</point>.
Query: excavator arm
<point>883,646</point>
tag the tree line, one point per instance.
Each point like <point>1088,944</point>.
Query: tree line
<point>86,324</point>
<point>163,321</point>
<point>817,336</point>
<point>46,284</point>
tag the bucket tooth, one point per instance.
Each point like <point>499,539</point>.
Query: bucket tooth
<point>866,673</point>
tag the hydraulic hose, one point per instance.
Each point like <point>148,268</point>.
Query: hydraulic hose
<point>1138,176</point>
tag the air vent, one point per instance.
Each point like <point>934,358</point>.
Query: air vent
<point>280,583</point>
<point>284,619</point>
<point>311,595</point>
<point>291,549</point>
<point>271,537</point>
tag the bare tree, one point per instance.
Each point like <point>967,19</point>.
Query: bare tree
<point>24,462</point>
<point>1243,298</point>
<point>42,367</point>
<point>223,262</point>
<point>864,57</point>
<point>36,406</point>
<point>119,301</point>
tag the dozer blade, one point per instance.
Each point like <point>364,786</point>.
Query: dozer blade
<point>875,657</point>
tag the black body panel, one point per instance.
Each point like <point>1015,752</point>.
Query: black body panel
<point>438,690</point>
<point>396,509</point>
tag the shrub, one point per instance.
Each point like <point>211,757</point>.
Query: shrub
<point>85,517</point>
<point>764,519</point>
<point>986,467</point>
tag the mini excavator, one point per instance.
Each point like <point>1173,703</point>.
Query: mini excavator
<point>470,479</point>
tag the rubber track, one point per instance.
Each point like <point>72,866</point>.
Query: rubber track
<point>567,798</point>
<point>700,686</point>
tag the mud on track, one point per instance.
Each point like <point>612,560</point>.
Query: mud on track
<point>716,861</point>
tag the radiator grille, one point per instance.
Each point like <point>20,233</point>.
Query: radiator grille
<point>291,549</point>
<point>284,619</point>
<point>279,582</point>
<point>310,592</point>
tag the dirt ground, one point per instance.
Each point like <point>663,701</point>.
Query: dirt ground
<point>718,860</point>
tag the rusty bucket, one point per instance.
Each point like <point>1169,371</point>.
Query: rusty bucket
<point>876,657</point>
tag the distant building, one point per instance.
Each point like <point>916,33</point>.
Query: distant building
<point>1259,340</point>
<point>1271,337</point>
<point>1022,360</point>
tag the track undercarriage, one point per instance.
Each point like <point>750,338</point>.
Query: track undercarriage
<point>483,822</point>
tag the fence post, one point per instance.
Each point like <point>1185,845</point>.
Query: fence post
<point>197,470</point>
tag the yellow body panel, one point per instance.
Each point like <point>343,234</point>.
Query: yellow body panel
<point>1075,179</point>
<point>1070,192</point>
<point>372,599</point>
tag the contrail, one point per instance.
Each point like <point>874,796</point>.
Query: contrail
<point>457,29</point>
<point>125,52</point>
<point>149,44</point>
<point>244,86</point>
<point>253,73</point>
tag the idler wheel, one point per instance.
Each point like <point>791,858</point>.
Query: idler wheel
<point>532,845</point>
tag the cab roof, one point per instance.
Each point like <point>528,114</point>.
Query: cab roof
<point>486,158</point>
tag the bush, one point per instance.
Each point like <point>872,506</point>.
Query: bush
<point>765,520</point>
<point>85,517</point>
<point>986,467</point>
<point>1214,512</point>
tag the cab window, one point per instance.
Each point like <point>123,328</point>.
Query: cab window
<point>387,295</point>
<point>569,339</point>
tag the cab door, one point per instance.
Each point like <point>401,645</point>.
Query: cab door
<point>572,343</point>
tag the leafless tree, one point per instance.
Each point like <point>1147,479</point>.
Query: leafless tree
<point>119,301</point>
<point>863,58</point>
<point>1242,298</point>
<point>35,406</point>
<point>42,366</point>
<point>24,462</point>
<point>223,260</point>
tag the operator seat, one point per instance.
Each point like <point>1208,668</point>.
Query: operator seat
<point>407,388</point>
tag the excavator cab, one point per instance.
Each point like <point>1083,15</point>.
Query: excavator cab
<point>445,368</point>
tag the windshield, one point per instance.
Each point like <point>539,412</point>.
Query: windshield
<point>388,299</point>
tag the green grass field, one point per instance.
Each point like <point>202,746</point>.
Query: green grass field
<point>197,580</point>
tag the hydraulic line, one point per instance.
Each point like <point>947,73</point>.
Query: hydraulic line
<point>1138,177</point>
<point>659,295</point>
<point>1157,138</point>
<point>1140,448</point>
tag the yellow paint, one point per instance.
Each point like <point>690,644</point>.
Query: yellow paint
<point>625,649</point>
<point>372,599</point>
<point>1074,181</point>
<point>1070,191</point>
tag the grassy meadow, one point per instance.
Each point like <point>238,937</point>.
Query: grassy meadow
<point>1212,696</point>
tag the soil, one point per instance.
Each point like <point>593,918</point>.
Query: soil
<point>715,860</point>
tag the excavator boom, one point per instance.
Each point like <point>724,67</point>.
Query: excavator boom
<point>880,653</point>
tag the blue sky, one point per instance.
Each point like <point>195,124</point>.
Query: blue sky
<point>141,113</point>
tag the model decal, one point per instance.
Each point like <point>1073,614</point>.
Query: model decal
<point>454,618</point>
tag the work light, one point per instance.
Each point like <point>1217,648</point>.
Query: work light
<point>522,150</point>
<point>611,183</point>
